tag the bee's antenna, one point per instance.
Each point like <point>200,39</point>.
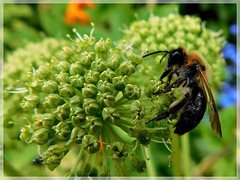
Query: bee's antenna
<point>164,56</point>
<point>166,52</point>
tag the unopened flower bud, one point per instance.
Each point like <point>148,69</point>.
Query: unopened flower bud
<point>90,106</point>
<point>91,144</point>
<point>30,102</point>
<point>42,72</point>
<point>101,65</point>
<point>78,116</point>
<point>144,137</point>
<point>141,134</point>
<point>68,52</point>
<point>114,62</point>
<point>92,77</point>
<point>37,85</point>
<point>25,134</point>
<point>107,75</point>
<point>131,92</point>
<point>134,58</point>
<point>48,120</point>
<point>87,58</point>
<point>110,115</point>
<point>63,66</point>
<point>51,101</point>
<point>62,112</point>
<point>89,91</point>
<point>41,136</point>
<point>76,68</point>
<point>75,101</point>
<point>49,86</point>
<point>65,90</point>
<point>94,124</point>
<point>137,110</point>
<point>154,87</point>
<point>119,83</point>
<point>106,99</point>
<point>77,81</point>
<point>105,86</point>
<point>63,130</point>
<point>77,134</point>
<point>127,68</point>
<point>62,77</point>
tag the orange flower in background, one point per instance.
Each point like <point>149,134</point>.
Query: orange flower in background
<point>75,12</point>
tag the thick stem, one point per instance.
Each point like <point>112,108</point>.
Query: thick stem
<point>186,154</point>
<point>110,135</point>
<point>150,165</point>
<point>120,101</point>
<point>176,154</point>
<point>79,157</point>
<point>122,126</point>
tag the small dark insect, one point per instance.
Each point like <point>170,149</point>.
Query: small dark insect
<point>190,70</point>
<point>38,161</point>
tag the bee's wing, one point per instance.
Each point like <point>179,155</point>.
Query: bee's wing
<point>213,113</point>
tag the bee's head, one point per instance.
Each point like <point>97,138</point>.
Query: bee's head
<point>176,57</point>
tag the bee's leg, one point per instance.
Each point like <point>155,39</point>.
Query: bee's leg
<point>160,117</point>
<point>177,83</point>
<point>165,73</point>
<point>170,75</point>
<point>169,79</point>
<point>173,109</point>
<point>177,105</point>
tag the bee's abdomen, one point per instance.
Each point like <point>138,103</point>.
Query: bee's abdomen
<point>193,112</point>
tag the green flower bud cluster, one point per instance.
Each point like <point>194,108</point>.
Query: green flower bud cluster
<point>16,67</point>
<point>175,31</point>
<point>79,97</point>
<point>54,155</point>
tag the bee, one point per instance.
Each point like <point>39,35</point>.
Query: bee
<point>191,72</point>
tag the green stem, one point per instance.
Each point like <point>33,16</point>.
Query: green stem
<point>120,101</point>
<point>79,157</point>
<point>176,154</point>
<point>126,122</point>
<point>122,126</point>
<point>186,154</point>
<point>150,165</point>
<point>105,140</point>
<point>70,143</point>
<point>113,137</point>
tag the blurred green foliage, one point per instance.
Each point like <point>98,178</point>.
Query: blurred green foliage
<point>20,26</point>
<point>217,16</point>
<point>24,23</point>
